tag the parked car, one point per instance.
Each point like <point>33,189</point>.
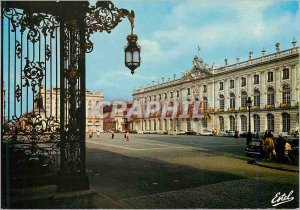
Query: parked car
<point>286,135</point>
<point>243,134</point>
<point>254,148</point>
<point>190,132</point>
<point>132,131</point>
<point>228,133</point>
<point>206,133</point>
<point>180,132</point>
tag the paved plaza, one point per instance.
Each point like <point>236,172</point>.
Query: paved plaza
<point>163,171</point>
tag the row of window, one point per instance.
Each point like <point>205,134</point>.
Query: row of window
<point>90,103</point>
<point>232,123</point>
<point>286,97</point>
<point>270,78</point>
<point>256,122</point>
<point>231,86</point>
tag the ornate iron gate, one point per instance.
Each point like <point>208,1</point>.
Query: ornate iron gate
<point>43,88</point>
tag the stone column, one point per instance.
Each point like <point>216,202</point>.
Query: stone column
<point>226,94</point>
<point>278,93</point>
<point>263,122</point>
<point>294,71</point>
<point>262,90</point>
<point>277,122</point>
<point>237,93</point>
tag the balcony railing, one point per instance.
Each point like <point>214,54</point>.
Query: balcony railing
<point>243,108</point>
<point>270,106</point>
<point>282,105</point>
<point>231,109</point>
<point>220,110</point>
<point>255,107</point>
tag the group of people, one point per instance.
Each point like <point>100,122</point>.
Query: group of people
<point>91,133</point>
<point>126,135</point>
<point>275,149</point>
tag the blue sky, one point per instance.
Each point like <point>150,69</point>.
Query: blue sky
<point>170,32</point>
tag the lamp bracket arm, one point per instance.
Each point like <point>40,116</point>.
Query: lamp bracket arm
<point>104,16</point>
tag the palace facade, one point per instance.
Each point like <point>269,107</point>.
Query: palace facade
<point>272,82</point>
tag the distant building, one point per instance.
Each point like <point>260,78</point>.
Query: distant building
<point>271,80</point>
<point>93,101</point>
<point>119,122</point>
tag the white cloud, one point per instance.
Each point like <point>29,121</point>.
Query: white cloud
<point>239,22</point>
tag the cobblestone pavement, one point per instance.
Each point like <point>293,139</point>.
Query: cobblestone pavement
<point>161,171</point>
<point>248,194</point>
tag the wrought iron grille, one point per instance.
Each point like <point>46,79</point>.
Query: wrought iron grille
<point>43,86</point>
<point>43,92</point>
<point>30,65</point>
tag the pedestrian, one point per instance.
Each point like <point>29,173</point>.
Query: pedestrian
<point>269,147</point>
<point>98,133</point>
<point>288,148</point>
<point>266,134</point>
<point>270,135</point>
<point>112,134</point>
<point>127,136</point>
<point>280,148</point>
<point>90,133</point>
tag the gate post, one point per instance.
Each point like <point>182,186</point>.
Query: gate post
<point>73,89</point>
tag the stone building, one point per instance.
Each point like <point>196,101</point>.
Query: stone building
<point>272,82</point>
<point>119,122</point>
<point>93,101</point>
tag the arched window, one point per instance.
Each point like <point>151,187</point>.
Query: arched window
<point>256,119</point>
<point>256,98</point>
<point>90,103</point>
<point>222,102</point>
<point>286,94</point>
<point>232,101</point>
<point>160,124</point>
<point>221,122</point>
<point>243,99</point>
<point>188,124</point>
<point>149,125</point>
<point>243,123</point>
<point>270,96</point>
<point>285,122</point>
<point>154,125</point>
<point>232,123</point>
<point>146,127</point>
<point>270,122</point>
<point>204,103</point>
<point>90,112</point>
<point>204,123</point>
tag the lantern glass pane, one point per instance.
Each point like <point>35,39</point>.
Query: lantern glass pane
<point>128,56</point>
<point>136,56</point>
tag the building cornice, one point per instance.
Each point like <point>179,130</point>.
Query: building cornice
<point>263,60</point>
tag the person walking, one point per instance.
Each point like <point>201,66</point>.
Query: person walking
<point>98,133</point>
<point>269,147</point>
<point>112,134</point>
<point>288,148</point>
<point>90,133</point>
<point>127,136</point>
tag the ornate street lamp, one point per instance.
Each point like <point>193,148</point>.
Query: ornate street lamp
<point>249,105</point>
<point>132,51</point>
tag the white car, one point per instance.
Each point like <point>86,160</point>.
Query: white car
<point>228,133</point>
<point>206,133</point>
